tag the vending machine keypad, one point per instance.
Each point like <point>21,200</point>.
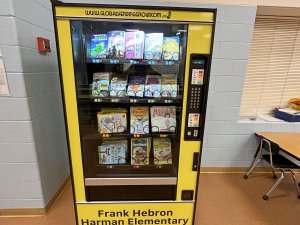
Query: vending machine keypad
<point>195,97</point>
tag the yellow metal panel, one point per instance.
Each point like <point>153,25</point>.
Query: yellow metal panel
<point>199,41</point>
<point>66,58</point>
<point>142,14</point>
<point>135,213</point>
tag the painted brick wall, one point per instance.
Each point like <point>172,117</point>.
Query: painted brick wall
<point>33,150</point>
<point>229,142</point>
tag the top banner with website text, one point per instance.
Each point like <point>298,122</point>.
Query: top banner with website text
<point>136,14</point>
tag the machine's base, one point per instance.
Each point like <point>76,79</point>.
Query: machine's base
<point>142,213</point>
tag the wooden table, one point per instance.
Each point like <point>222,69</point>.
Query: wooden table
<point>288,142</point>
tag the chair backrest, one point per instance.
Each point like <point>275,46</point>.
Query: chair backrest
<point>274,147</point>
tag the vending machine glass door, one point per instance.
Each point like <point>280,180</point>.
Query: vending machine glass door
<point>129,83</point>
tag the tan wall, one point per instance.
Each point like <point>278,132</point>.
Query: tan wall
<point>289,8</point>
<point>281,3</point>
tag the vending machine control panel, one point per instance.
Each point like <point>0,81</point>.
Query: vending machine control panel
<point>195,97</point>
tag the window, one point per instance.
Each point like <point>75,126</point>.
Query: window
<point>273,73</point>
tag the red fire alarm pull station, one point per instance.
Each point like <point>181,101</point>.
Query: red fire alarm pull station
<point>43,44</point>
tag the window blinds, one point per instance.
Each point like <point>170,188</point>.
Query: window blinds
<point>273,72</point>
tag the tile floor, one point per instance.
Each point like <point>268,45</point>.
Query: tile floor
<point>223,199</point>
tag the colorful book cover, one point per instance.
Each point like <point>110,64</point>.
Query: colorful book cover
<point>98,46</point>
<point>153,46</point>
<point>100,86</point>
<point>116,44</point>
<point>140,149</point>
<point>139,120</point>
<point>118,85</point>
<point>112,121</point>
<point>113,152</point>
<point>107,155</point>
<point>136,85</point>
<point>153,86</point>
<point>162,150</point>
<point>163,118</point>
<point>171,48</point>
<point>134,45</point>
<point>169,86</point>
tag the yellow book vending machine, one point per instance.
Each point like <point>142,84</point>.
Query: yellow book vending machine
<point>134,82</point>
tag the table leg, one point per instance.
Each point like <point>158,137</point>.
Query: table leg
<point>254,163</point>
<point>257,151</point>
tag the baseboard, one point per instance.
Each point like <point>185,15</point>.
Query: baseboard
<point>57,194</point>
<point>236,170</point>
<point>36,211</point>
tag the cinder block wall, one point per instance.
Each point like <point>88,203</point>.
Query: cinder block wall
<point>229,141</point>
<point>33,149</point>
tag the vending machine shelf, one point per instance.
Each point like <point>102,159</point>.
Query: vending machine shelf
<point>110,167</point>
<point>131,100</point>
<point>133,171</point>
<point>97,136</point>
<point>135,61</point>
<point>131,181</point>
